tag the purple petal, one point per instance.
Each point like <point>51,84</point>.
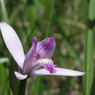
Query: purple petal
<point>48,64</point>
<point>29,66</point>
<point>32,50</point>
<point>13,43</point>
<point>30,59</point>
<point>46,47</point>
<point>59,71</point>
<point>20,76</point>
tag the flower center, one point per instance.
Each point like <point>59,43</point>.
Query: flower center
<point>37,55</point>
<point>48,64</point>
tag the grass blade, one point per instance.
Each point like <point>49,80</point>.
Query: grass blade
<point>4,12</point>
<point>13,81</point>
<point>50,18</point>
<point>89,51</point>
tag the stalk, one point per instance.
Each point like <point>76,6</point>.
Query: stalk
<point>22,87</point>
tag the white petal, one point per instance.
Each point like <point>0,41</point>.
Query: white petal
<point>59,71</point>
<point>13,43</point>
<point>20,76</point>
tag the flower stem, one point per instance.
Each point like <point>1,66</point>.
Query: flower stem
<point>22,87</point>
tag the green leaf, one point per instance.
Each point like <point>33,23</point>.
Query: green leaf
<point>13,81</point>
<point>4,12</point>
<point>88,65</point>
<point>2,74</point>
<point>3,81</point>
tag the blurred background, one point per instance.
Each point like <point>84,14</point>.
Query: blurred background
<point>71,23</point>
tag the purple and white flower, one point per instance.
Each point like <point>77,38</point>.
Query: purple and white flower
<point>39,55</point>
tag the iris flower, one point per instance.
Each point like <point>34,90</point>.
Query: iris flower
<point>39,55</point>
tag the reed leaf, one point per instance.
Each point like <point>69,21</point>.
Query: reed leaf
<point>89,51</point>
